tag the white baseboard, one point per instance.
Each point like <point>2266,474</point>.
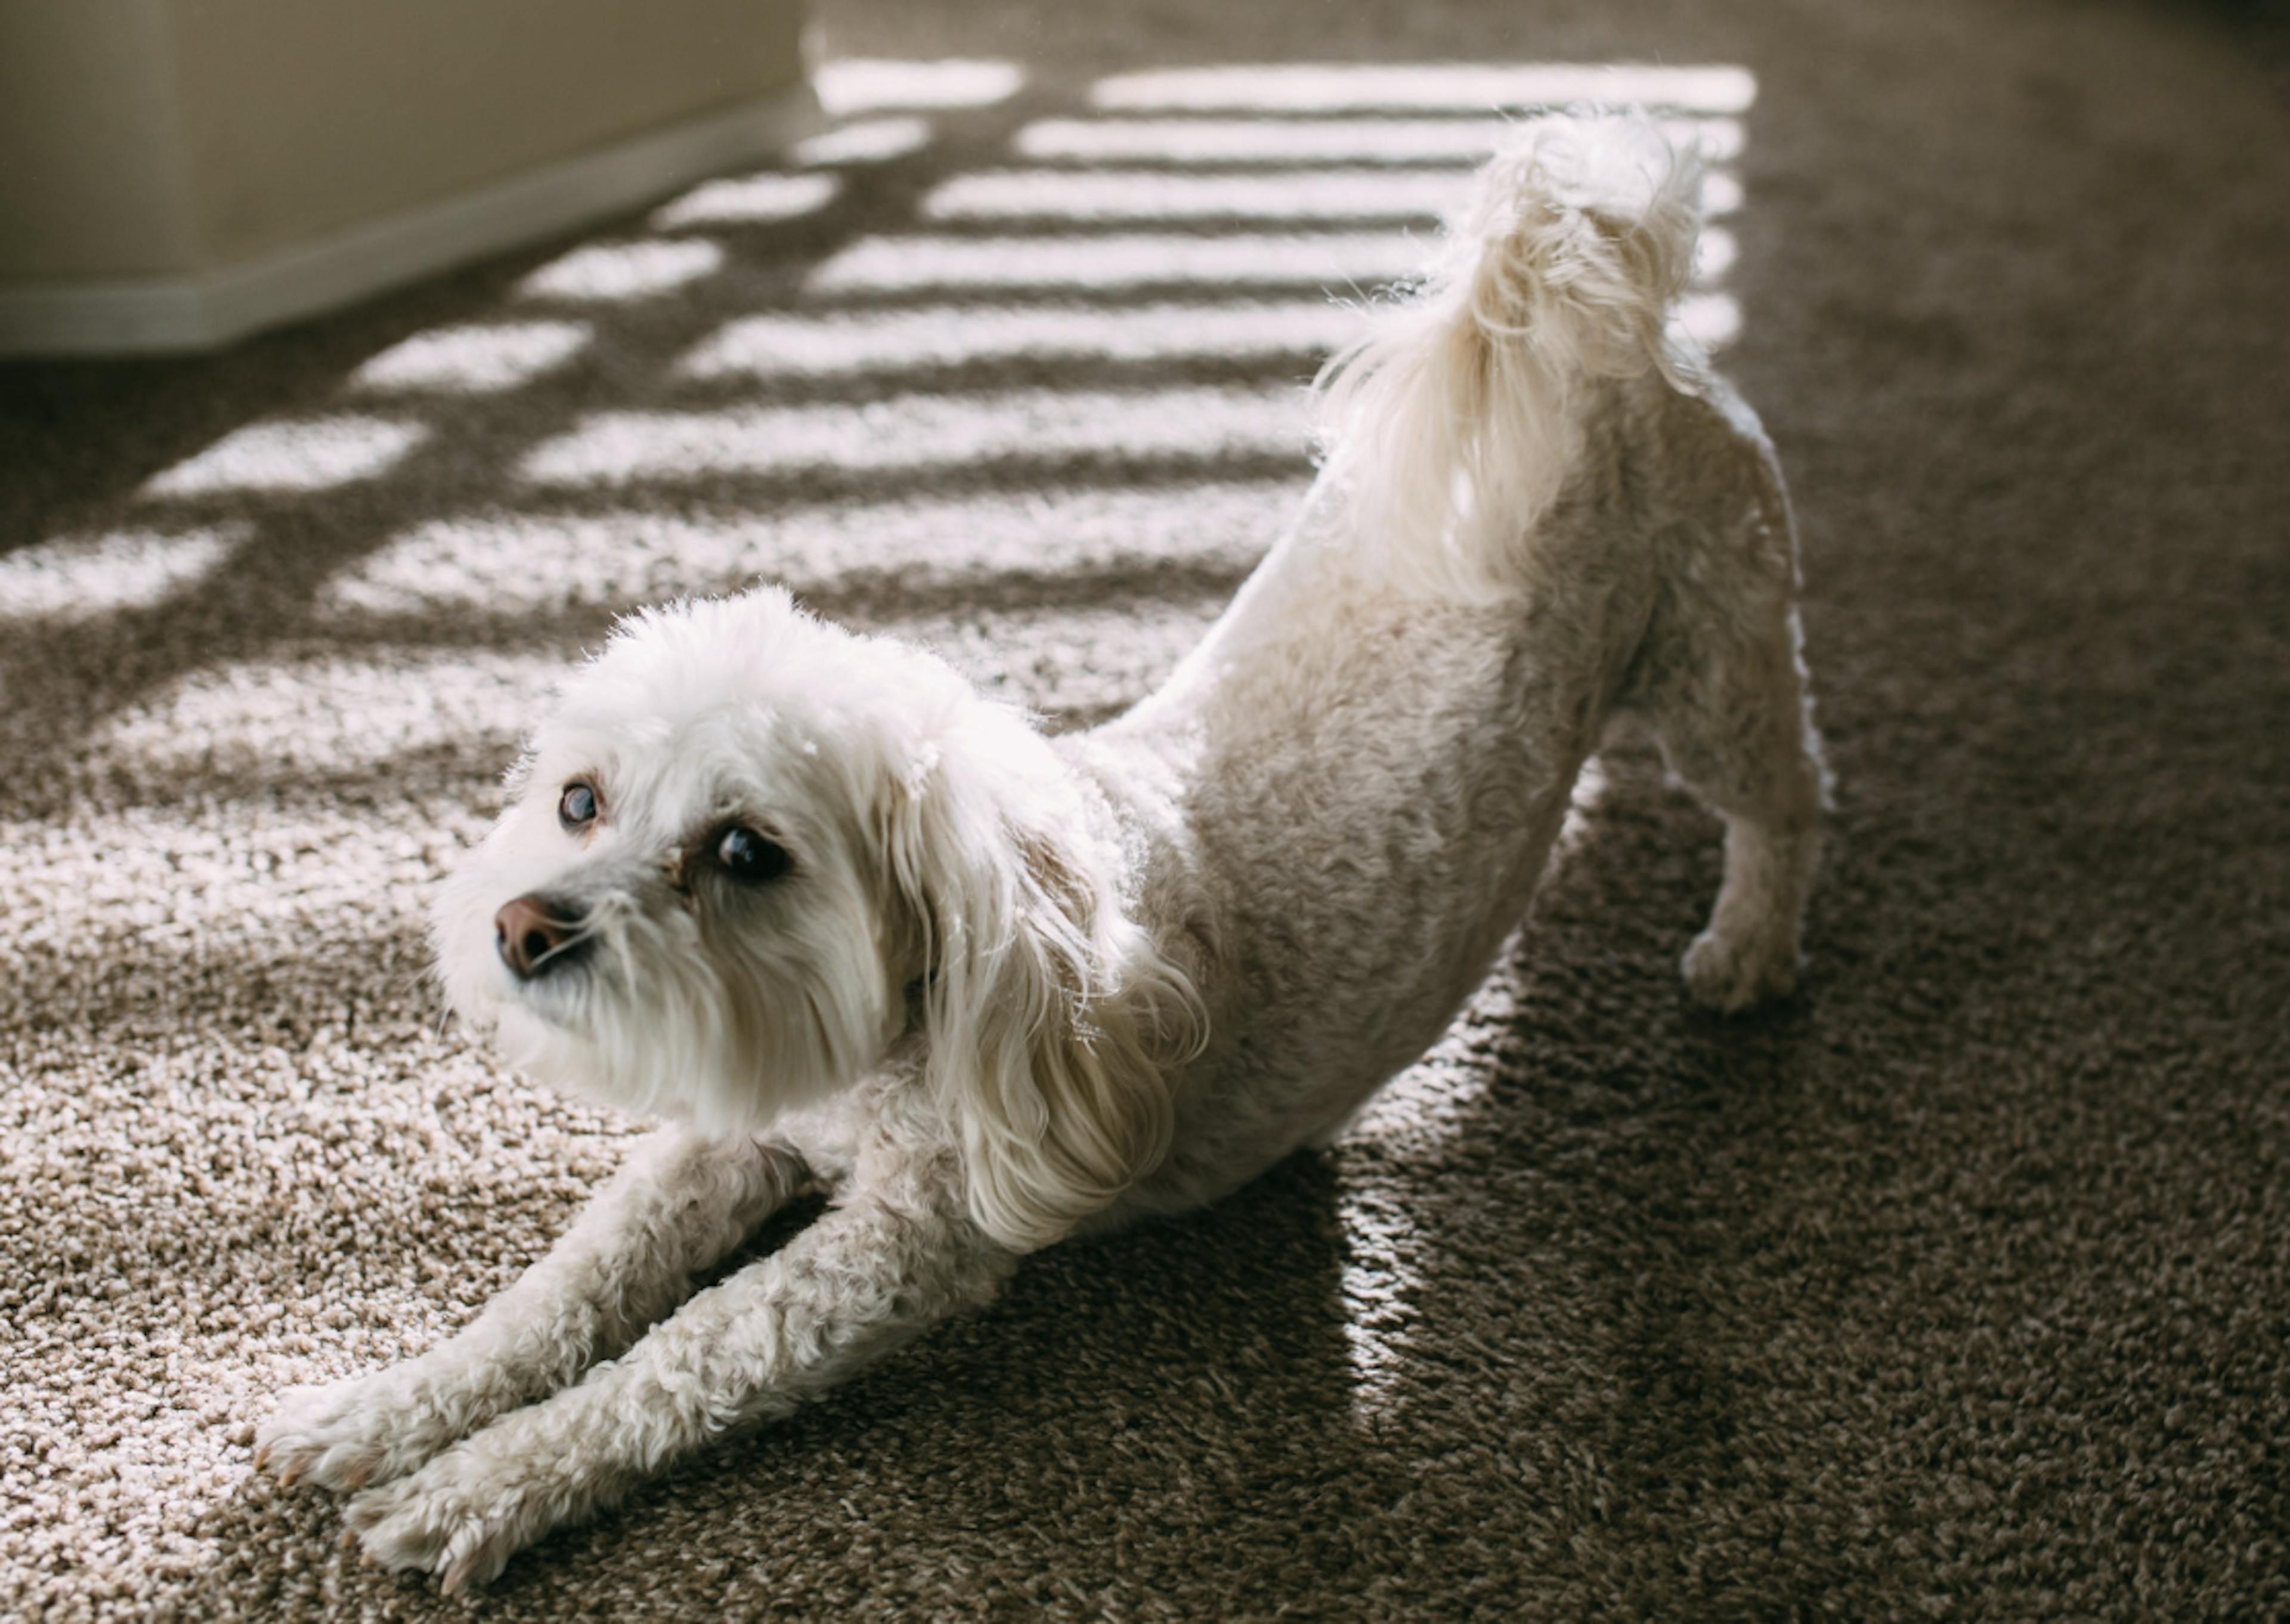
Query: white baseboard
<point>115,315</point>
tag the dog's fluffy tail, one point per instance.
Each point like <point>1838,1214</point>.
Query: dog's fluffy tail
<point>1451,423</point>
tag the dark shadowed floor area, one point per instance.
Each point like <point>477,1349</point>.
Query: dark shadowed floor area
<point>1958,1288</point>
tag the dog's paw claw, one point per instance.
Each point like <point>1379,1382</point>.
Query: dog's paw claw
<point>390,1523</point>
<point>428,1523</point>
<point>1730,976</point>
<point>476,1568</point>
<point>342,1437</point>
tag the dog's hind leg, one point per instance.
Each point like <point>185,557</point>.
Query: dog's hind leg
<point>1721,682</point>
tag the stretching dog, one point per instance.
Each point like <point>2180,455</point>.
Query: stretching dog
<point>852,925</point>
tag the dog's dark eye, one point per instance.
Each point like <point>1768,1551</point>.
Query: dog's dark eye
<point>576,808</point>
<point>751,859</point>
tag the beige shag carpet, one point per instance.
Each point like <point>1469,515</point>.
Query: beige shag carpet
<point>1959,1289</point>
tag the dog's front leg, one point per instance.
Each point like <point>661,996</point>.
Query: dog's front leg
<point>681,1203</point>
<point>869,1275</point>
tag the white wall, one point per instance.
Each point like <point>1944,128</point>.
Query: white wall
<point>183,152</point>
<point>93,176</point>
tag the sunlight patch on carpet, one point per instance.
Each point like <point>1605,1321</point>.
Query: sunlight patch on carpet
<point>923,431</point>
<point>1356,262</point>
<point>480,358</point>
<point>952,335</point>
<point>1315,88</point>
<point>72,578</point>
<point>173,886</point>
<point>1415,1120</point>
<point>871,140</point>
<point>1711,320</point>
<point>1379,1284</point>
<point>316,454</point>
<point>747,200</point>
<point>1072,667</point>
<point>615,273</point>
<point>1131,194</point>
<point>437,720</point>
<point>865,85</point>
<point>1342,140</point>
<point>329,714</point>
<point>1721,194</point>
<point>1418,195</point>
<point>901,264</point>
<point>534,561</point>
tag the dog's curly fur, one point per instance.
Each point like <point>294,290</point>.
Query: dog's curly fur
<point>991,988</point>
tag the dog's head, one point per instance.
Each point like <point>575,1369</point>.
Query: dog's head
<point>748,854</point>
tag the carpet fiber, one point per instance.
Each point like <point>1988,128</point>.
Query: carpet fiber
<point>1958,1288</point>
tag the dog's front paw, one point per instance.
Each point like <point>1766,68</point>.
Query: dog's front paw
<point>1729,974</point>
<point>349,1434</point>
<point>450,1518</point>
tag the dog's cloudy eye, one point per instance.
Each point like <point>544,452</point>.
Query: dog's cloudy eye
<point>747,857</point>
<point>576,808</point>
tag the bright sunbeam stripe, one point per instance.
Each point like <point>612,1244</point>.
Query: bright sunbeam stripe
<point>477,359</point>
<point>328,715</point>
<point>1323,194</point>
<point>873,141</point>
<point>71,578</point>
<point>525,563</point>
<point>747,200</point>
<point>1310,88</point>
<point>1380,1284</point>
<point>953,335</point>
<point>1711,320</point>
<point>904,264</point>
<point>173,883</point>
<point>863,84</point>
<point>1037,194</point>
<point>1085,663</point>
<point>1341,140</point>
<point>316,455</point>
<point>1412,1124</point>
<point>242,731</point>
<point>1352,262</point>
<point>616,273</point>
<point>921,431</point>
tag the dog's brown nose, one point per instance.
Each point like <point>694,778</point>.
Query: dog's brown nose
<point>535,936</point>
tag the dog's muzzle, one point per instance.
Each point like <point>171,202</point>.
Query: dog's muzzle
<point>535,937</point>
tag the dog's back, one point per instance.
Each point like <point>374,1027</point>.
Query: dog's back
<point>1538,512</point>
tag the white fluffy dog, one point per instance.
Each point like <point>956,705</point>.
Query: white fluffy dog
<point>850,925</point>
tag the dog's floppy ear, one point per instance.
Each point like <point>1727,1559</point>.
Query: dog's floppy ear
<point>1050,1019</point>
